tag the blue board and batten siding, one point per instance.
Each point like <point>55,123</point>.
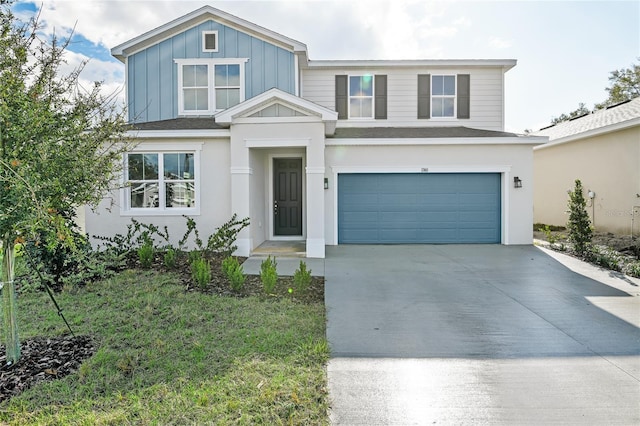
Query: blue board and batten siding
<point>400,208</point>
<point>152,72</point>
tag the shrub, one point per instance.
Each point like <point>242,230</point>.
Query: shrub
<point>302,278</point>
<point>223,240</point>
<point>194,255</point>
<point>269,274</point>
<point>579,224</point>
<point>233,271</point>
<point>137,235</point>
<point>201,272</point>
<point>605,257</point>
<point>170,258</point>
<point>54,260</point>
<point>542,226</point>
<point>146,253</point>
<point>634,269</point>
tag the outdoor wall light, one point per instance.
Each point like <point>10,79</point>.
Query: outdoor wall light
<point>517,182</point>
<point>326,183</point>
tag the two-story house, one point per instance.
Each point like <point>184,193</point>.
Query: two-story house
<point>235,118</point>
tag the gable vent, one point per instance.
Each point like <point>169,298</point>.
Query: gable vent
<point>209,41</point>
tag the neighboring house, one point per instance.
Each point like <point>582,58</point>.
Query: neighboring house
<point>234,118</point>
<point>601,149</point>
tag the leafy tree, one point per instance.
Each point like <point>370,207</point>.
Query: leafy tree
<point>625,85</point>
<point>581,110</point>
<point>60,147</point>
<point>579,224</point>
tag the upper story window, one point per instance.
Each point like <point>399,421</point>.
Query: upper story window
<point>227,85</point>
<point>443,95</point>
<point>361,96</point>
<point>209,85</point>
<point>209,41</point>
<point>161,182</point>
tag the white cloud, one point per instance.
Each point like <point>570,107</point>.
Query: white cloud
<point>499,43</point>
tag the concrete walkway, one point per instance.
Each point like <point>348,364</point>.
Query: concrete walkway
<point>490,334</point>
<point>285,266</point>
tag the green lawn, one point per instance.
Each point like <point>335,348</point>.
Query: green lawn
<point>167,356</point>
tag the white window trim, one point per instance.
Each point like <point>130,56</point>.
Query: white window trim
<point>455,98</point>
<point>204,37</point>
<point>373,97</point>
<point>211,63</point>
<point>155,148</point>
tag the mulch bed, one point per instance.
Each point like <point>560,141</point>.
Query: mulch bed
<point>43,359</point>
<point>219,285</point>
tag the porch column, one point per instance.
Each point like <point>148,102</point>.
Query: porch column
<point>315,200</point>
<point>240,199</point>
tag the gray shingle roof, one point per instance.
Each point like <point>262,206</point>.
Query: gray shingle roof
<point>183,123</point>
<point>613,115</point>
<point>416,132</point>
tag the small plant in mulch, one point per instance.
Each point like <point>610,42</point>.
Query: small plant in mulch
<point>233,270</point>
<point>170,258</point>
<point>269,274</point>
<point>302,278</point>
<point>201,271</point>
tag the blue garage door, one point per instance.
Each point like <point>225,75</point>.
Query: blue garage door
<point>401,208</point>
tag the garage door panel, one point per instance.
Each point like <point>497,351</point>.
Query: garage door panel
<point>477,217</point>
<point>419,208</point>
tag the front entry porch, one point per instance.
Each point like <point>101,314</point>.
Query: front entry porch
<point>281,249</point>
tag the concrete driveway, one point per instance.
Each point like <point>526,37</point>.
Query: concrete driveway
<point>479,334</point>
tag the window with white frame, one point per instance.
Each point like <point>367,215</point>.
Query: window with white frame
<point>209,85</point>
<point>443,95</point>
<point>160,181</point>
<point>227,85</point>
<point>361,96</point>
<point>195,88</point>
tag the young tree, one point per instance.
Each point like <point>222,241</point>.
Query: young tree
<point>61,147</point>
<point>579,224</point>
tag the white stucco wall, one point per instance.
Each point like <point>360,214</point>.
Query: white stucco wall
<point>509,160</point>
<point>236,177</point>
<point>109,219</point>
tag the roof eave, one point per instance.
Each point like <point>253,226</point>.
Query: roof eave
<point>505,64</point>
<point>592,133</point>
<point>196,17</point>
<point>519,141</point>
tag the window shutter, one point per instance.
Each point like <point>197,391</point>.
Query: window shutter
<point>342,98</point>
<point>464,85</point>
<point>424,95</point>
<point>380,97</point>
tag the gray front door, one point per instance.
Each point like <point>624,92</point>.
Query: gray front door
<point>287,192</point>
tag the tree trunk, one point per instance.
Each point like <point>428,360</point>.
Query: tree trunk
<point>9,304</point>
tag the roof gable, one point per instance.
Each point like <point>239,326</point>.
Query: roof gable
<point>195,18</point>
<point>274,104</point>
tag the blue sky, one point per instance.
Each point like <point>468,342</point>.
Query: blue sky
<point>565,50</point>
